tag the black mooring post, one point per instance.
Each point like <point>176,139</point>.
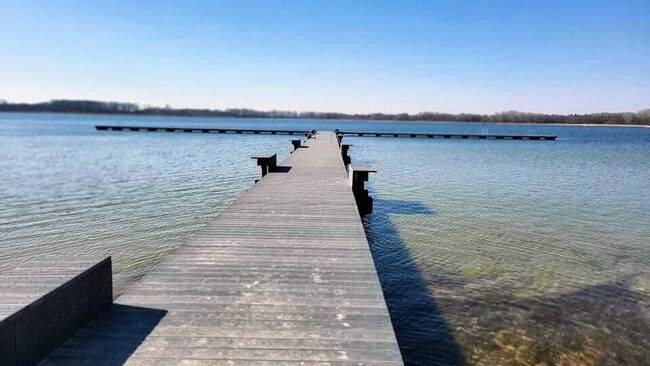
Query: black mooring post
<point>267,163</point>
<point>296,144</point>
<point>339,137</point>
<point>360,175</point>
<point>344,153</point>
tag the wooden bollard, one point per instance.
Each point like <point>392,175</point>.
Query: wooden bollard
<point>360,175</point>
<point>296,144</point>
<point>344,153</point>
<point>267,163</point>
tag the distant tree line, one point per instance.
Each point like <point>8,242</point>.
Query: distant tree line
<point>90,106</point>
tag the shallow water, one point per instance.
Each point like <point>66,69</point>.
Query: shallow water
<point>514,252</point>
<point>489,252</point>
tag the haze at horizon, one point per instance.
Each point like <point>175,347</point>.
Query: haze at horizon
<point>351,57</point>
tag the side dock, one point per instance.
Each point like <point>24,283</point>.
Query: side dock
<point>282,276</point>
<point>199,130</point>
<point>431,135</point>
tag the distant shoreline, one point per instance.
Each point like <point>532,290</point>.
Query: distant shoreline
<point>621,119</point>
<point>341,119</point>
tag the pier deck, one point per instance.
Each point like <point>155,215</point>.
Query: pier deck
<point>283,276</point>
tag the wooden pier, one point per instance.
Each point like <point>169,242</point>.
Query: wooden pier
<point>476,136</point>
<point>431,135</point>
<point>284,276</point>
<point>200,130</point>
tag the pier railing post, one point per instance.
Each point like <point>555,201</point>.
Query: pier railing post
<point>267,163</point>
<point>360,174</point>
<point>296,144</point>
<point>345,148</point>
<point>339,136</point>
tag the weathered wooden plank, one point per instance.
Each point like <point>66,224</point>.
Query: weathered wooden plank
<point>233,343</point>
<point>99,360</point>
<point>216,353</point>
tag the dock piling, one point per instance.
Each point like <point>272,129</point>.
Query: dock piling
<point>344,154</point>
<point>296,144</point>
<point>267,163</point>
<point>360,174</point>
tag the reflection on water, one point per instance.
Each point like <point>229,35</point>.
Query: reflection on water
<point>489,252</point>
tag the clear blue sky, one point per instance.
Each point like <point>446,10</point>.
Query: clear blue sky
<point>348,56</point>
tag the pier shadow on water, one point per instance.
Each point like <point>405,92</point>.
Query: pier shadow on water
<point>604,323</point>
<point>423,333</point>
<point>113,337</point>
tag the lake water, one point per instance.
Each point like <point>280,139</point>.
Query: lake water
<point>489,252</point>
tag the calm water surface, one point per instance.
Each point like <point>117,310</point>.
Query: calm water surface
<point>490,252</point>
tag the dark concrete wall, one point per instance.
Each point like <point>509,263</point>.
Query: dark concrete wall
<point>33,332</point>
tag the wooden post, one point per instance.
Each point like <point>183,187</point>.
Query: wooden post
<point>360,175</point>
<point>296,144</point>
<point>344,153</point>
<point>267,163</point>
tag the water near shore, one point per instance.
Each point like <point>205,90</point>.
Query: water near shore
<point>490,252</point>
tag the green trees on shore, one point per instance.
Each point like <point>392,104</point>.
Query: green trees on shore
<point>89,106</point>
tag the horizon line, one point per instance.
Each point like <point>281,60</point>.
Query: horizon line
<point>144,107</point>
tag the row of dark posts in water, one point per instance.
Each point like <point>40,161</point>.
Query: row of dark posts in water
<point>269,163</point>
<point>360,173</point>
